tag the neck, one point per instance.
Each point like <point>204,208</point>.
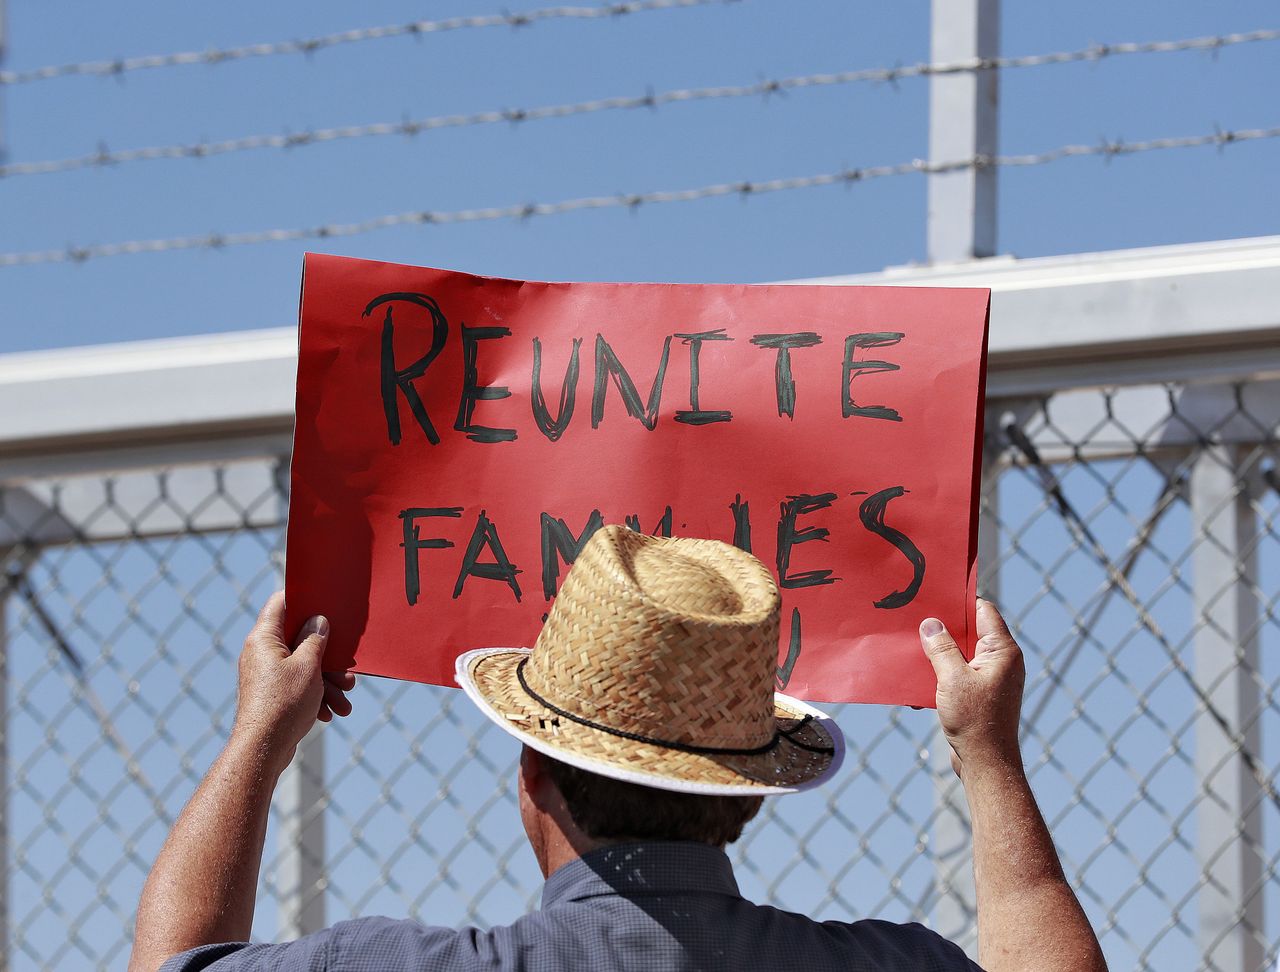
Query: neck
<point>562,844</point>
<point>559,853</point>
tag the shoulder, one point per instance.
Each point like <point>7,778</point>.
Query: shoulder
<point>891,944</point>
<point>876,944</point>
<point>374,944</point>
<point>381,943</point>
<point>360,944</point>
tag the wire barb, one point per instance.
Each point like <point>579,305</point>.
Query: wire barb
<point>764,88</point>
<point>623,200</point>
<point>311,45</point>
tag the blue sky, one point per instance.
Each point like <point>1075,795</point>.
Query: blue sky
<point>1069,206</point>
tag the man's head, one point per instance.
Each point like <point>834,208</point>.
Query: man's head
<point>655,670</point>
<point>568,811</point>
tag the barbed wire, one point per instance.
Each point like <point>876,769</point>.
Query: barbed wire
<point>217,241</point>
<point>417,28</point>
<point>411,127</point>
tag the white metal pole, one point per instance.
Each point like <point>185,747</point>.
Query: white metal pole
<point>300,872</point>
<point>963,115</point>
<point>1226,618</point>
<point>963,124</point>
<point>301,800</point>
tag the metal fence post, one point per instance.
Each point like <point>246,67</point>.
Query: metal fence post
<point>1229,819</point>
<point>963,124</point>
<point>300,872</point>
<point>301,801</point>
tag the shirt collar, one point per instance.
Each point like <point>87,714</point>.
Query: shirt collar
<point>648,867</point>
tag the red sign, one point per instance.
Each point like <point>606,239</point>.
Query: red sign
<point>459,438</point>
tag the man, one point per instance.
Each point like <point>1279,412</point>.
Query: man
<point>651,733</point>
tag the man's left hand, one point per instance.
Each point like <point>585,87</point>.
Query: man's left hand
<point>282,691</point>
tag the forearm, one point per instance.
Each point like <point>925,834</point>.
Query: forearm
<point>1029,919</point>
<point>202,886</point>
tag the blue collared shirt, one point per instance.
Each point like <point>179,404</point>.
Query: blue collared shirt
<point>643,906</point>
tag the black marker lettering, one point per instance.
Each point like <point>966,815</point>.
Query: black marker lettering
<point>663,529</point>
<point>413,542</point>
<point>393,379</point>
<point>486,535</point>
<point>793,651</point>
<point>872,515</point>
<point>789,536</point>
<point>559,543</point>
<point>554,428</point>
<point>879,339</point>
<point>741,523</point>
<point>786,386</point>
<point>696,415</point>
<point>607,364</point>
<point>473,391</point>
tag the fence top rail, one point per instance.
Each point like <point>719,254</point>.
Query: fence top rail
<point>1155,314</point>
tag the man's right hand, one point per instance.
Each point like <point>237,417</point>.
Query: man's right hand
<point>979,701</point>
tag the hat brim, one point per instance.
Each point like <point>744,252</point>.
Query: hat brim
<point>801,759</point>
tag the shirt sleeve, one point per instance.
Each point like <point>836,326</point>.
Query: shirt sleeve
<point>309,954</point>
<point>913,946</point>
<point>361,945</point>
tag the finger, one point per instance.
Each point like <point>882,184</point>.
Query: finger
<point>941,648</point>
<point>993,633</point>
<point>270,621</point>
<point>308,647</point>
<point>343,680</point>
<point>324,715</point>
<point>339,705</point>
<point>336,701</point>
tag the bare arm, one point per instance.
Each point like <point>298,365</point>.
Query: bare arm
<point>201,889</point>
<point>1029,919</point>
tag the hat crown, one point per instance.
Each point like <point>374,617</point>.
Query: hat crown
<point>665,638</point>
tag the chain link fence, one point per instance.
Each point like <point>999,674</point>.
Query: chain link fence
<point>1131,539</point>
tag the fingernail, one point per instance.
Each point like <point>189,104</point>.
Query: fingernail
<point>931,627</point>
<point>320,625</point>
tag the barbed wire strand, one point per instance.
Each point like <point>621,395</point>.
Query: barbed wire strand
<point>216,241</point>
<point>411,127</point>
<point>122,65</point>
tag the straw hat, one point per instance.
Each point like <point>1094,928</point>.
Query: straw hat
<point>656,666</point>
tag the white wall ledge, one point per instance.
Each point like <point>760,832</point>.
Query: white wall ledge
<point>1155,314</point>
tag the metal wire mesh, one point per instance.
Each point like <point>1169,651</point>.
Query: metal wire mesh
<point>1136,554</point>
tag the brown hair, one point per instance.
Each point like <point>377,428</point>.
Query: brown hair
<point>609,809</point>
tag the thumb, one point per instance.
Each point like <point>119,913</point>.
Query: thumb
<point>941,648</point>
<point>308,647</point>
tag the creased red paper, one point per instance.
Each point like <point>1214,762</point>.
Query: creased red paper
<point>833,431</point>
